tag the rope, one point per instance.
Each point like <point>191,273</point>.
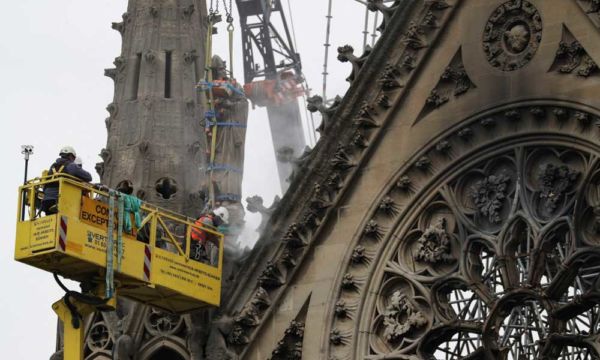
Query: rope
<point>109,277</point>
<point>208,77</point>
<point>293,28</point>
<point>230,29</point>
<point>208,85</point>
<point>121,215</point>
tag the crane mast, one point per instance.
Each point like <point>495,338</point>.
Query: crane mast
<point>273,77</point>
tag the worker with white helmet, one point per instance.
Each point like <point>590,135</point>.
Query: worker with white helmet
<point>65,164</point>
<point>222,213</point>
<point>204,245</point>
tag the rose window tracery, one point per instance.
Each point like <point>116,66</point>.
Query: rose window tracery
<point>502,262</point>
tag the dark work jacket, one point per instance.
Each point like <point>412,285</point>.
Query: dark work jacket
<point>69,167</point>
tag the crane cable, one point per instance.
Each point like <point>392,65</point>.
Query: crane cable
<point>312,137</point>
<point>230,29</point>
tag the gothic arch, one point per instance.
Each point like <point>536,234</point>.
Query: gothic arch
<point>165,353</point>
<point>100,356</point>
<point>491,220</point>
<point>160,346</point>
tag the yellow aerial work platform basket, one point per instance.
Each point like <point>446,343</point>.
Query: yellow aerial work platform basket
<point>155,266</point>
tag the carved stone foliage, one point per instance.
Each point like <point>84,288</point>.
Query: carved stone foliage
<point>571,57</point>
<point>402,315</point>
<point>430,249</point>
<point>290,347</point>
<point>486,192</point>
<point>592,9</point>
<point>497,260</point>
<point>512,35</point>
<point>488,195</point>
<point>552,178</point>
<point>414,38</point>
<point>453,83</point>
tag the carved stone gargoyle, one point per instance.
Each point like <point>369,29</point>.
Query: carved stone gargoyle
<point>346,53</point>
<point>315,103</point>
<point>256,205</point>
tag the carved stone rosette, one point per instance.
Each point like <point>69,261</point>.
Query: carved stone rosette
<point>494,256</point>
<point>512,35</point>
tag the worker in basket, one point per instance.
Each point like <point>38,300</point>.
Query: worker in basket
<point>205,245</point>
<point>65,164</point>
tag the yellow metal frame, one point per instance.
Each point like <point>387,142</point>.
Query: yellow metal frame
<point>73,244</point>
<point>74,338</point>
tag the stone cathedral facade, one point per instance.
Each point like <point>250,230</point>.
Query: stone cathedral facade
<point>450,210</point>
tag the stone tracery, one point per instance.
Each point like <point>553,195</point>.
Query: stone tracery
<point>491,264</point>
<point>510,284</point>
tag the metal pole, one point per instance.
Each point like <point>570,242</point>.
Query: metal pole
<point>26,166</point>
<point>327,45</point>
<point>374,34</point>
<point>366,29</point>
<point>26,150</point>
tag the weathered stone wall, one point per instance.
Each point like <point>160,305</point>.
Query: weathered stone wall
<point>156,143</point>
<point>156,148</point>
<point>469,95</point>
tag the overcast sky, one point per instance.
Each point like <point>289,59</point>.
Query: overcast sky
<point>53,93</point>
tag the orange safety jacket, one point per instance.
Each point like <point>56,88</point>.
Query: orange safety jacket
<point>199,234</point>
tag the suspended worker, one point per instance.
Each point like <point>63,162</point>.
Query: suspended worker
<point>204,245</point>
<point>65,164</point>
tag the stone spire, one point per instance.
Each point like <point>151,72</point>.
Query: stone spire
<point>156,149</point>
<point>155,141</point>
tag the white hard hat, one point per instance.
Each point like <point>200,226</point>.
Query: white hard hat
<point>66,150</point>
<point>78,161</point>
<point>223,213</point>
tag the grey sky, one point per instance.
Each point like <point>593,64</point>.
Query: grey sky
<point>53,93</point>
